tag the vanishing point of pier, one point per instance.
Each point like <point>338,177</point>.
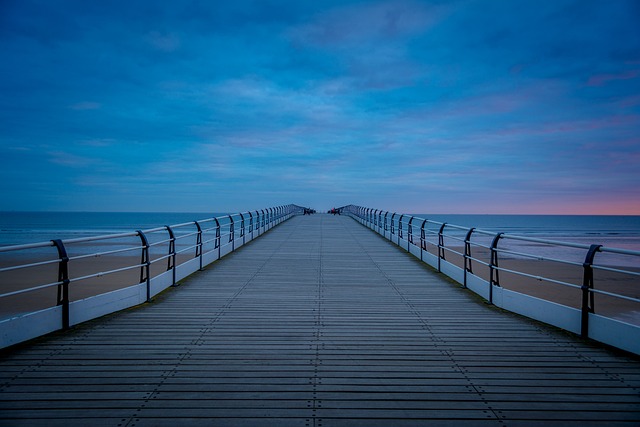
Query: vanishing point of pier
<point>319,322</point>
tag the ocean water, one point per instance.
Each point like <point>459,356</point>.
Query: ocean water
<point>610,231</point>
<point>30,227</point>
<point>18,228</point>
<point>616,231</point>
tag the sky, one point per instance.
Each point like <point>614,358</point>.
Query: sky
<point>474,107</point>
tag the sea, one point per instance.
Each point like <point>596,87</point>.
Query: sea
<point>615,231</point>
<point>17,228</point>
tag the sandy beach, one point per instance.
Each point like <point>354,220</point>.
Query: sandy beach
<point>617,283</point>
<point>78,289</point>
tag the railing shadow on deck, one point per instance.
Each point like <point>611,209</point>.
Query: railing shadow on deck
<point>57,284</point>
<point>590,290</point>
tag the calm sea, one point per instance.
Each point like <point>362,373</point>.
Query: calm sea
<point>30,227</point>
<point>618,231</point>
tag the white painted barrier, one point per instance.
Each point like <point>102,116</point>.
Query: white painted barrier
<point>31,325</point>
<point>603,329</point>
<point>24,327</point>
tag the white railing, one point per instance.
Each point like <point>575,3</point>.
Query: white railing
<point>591,290</point>
<point>56,284</point>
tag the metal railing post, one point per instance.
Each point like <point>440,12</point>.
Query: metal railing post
<point>409,234</point>
<point>257,222</point>
<point>392,229</point>
<point>263,221</point>
<point>171,261</point>
<point>441,251</point>
<point>145,263</point>
<point>467,256</point>
<point>251,224</point>
<point>400,228</point>
<point>232,231</point>
<point>217,244</point>
<point>423,239</point>
<point>242,228</point>
<point>199,243</point>
<point>588,301</point>
<point>494,278</point>
<point>386,227</point>
<point>63,277</point>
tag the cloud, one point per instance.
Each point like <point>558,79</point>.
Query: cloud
<point>455,102</point>
<point>602,79</point>
<point>86,105</point>
<point>270,106</point>
<point>165,42</point>
<point>102,142</point>
<point>369,42</point>
<point>366,23</point>
<point>67,159</point>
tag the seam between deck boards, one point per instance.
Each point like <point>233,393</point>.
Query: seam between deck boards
<point>206,329</point>
<point>437,341</point>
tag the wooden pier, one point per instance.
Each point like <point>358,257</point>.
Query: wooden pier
<point>320,322</point>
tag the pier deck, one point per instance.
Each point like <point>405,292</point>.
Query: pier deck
<point>319,322</point>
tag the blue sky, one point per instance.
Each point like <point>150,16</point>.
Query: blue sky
<point>414,106</point>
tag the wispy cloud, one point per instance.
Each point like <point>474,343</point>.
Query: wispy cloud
<point>67,159</point>
<point>433,106</point>
<point>602,79</point>
<point>166,42</point>
<point>85,105</point>
<point>367,23</point>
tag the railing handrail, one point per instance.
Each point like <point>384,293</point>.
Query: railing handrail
<point>440,248</point>
<point>516,236</point>
<point>179,243</point>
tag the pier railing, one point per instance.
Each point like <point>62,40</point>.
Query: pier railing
<point>588,289</point>
<point>56,284</point>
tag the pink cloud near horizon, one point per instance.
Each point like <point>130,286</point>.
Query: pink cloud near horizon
<point>602,79</point>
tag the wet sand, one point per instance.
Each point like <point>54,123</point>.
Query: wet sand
<point>78,289</point>
<point>627,311</point>
<point>613,282</point>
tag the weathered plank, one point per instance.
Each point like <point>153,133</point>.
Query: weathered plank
<point>320,322</point>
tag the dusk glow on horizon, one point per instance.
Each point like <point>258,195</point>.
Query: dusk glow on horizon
<point>470,106</point>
